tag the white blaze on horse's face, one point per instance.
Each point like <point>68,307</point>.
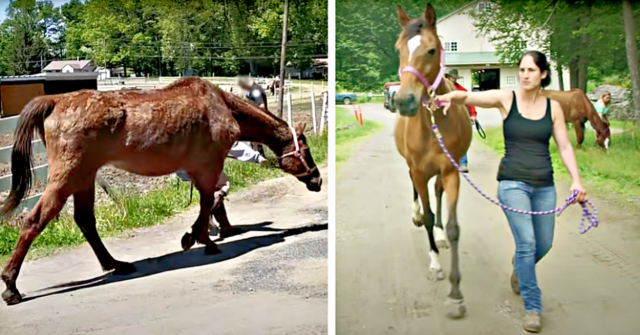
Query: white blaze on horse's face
<point>413,44</point>
<point>606,143</point>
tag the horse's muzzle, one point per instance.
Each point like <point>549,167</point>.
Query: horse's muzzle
<point>314,184</point>
<point>407,105</point>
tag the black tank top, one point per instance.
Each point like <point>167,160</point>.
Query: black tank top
<point>526,148</point>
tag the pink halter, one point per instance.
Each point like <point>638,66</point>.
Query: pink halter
<point>431,89</point>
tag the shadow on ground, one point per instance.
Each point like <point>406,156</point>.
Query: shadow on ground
<point>186,259</point>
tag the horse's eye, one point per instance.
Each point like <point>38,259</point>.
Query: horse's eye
<point>432,52</point>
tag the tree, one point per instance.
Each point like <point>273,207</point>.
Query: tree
<point>632,54</point>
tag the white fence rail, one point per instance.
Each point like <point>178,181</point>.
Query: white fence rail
<point>40,173</point>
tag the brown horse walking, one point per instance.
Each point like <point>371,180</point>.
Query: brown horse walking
<point>421,58</point>
<point>578,109</point>
<point>189,125</point>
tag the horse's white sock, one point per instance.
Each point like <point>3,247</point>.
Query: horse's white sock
<point>439,235</point>
<point>417,210</point>
<point>435,261</point>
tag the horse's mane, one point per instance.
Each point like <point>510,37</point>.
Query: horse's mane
<point>239,105</point>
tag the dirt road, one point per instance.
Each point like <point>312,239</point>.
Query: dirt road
<point>590,282</point>
<point>270,280</point>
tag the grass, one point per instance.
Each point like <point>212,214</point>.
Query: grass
<point>347,139</point>
<point>143,210</point>
<point>611,174</point>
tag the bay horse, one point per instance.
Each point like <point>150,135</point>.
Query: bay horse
<point>421,63</point>
<point>578,109</point>
<point>189,125</point>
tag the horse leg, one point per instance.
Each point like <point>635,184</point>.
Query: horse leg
<point>441,239</point>
<point>454,305</point>
<point>83,203</point>
<point>417,208</point>
<point>420,185</point>
<point>200,229</point>
<point>226,229</point>
<point>579,133</point>
<point>44,211</point>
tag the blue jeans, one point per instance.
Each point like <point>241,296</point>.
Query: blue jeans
<point>533,234</point>
<point>464,160</point>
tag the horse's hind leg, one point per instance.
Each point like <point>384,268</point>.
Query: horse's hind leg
<point>83,203</point>
<point>420,185</point>
<point>454,305</point>
<point>44,211</point>
<point>441,239</point>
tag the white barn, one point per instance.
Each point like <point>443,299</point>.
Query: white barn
<point>469,54</point>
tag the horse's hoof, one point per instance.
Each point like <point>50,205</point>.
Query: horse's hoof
<point>11,297</point>
<point>442,244</point>
<point>124,268</point>
<point>417,223</point>
<point>436,274</point>
<point>211,249</point>
<point>187,241</point>
<point>454,309</point>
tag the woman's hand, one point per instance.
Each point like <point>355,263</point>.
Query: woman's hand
<point>447,98</point>
<point>582,193</point>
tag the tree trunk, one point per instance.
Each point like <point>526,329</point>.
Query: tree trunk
<point>632,55</point>
<point>583,62</point>
<point>573,71</point>
<point>560,76</point>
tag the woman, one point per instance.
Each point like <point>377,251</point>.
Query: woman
<point>525,175</point>
<point>602,106</point>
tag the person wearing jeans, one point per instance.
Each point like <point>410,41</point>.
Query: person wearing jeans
<point>525,176</point>
<point>453,76</point>
<point>533,234</point>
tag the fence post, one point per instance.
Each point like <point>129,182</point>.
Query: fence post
<point>313,111</point>
<point>289,108</point>
<point>325,97</point>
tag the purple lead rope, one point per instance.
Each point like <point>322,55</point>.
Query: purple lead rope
<point>593,217</point>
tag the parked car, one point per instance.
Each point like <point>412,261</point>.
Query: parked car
<point>346,98</point>
<point>390,90</point>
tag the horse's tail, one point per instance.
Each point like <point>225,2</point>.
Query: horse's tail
<point>31,119</point>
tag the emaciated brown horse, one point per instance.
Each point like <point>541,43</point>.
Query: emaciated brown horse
<point>189,125</point>
<point>421,58</point>
<point>578,109</point>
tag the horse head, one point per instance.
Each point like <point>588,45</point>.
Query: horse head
<point>604,135</point>
<point>296,159</point>
<point>420,53</point>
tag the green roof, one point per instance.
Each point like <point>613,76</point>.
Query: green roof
<point>471,58</point>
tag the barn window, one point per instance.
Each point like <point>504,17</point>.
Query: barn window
<point>511,80</point>
<point>451,46</point>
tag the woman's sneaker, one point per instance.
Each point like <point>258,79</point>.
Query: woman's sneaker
<point>531,322</point>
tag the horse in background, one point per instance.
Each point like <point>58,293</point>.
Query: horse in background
<point>578,109</point>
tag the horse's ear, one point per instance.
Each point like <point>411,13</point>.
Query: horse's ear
<point>430,16</point>
<point>403,18</point>
<point>300,128</point>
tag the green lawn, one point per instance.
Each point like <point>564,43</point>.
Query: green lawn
<point>347,139</point>
<point>135,210</point>
<point>613,174</point>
